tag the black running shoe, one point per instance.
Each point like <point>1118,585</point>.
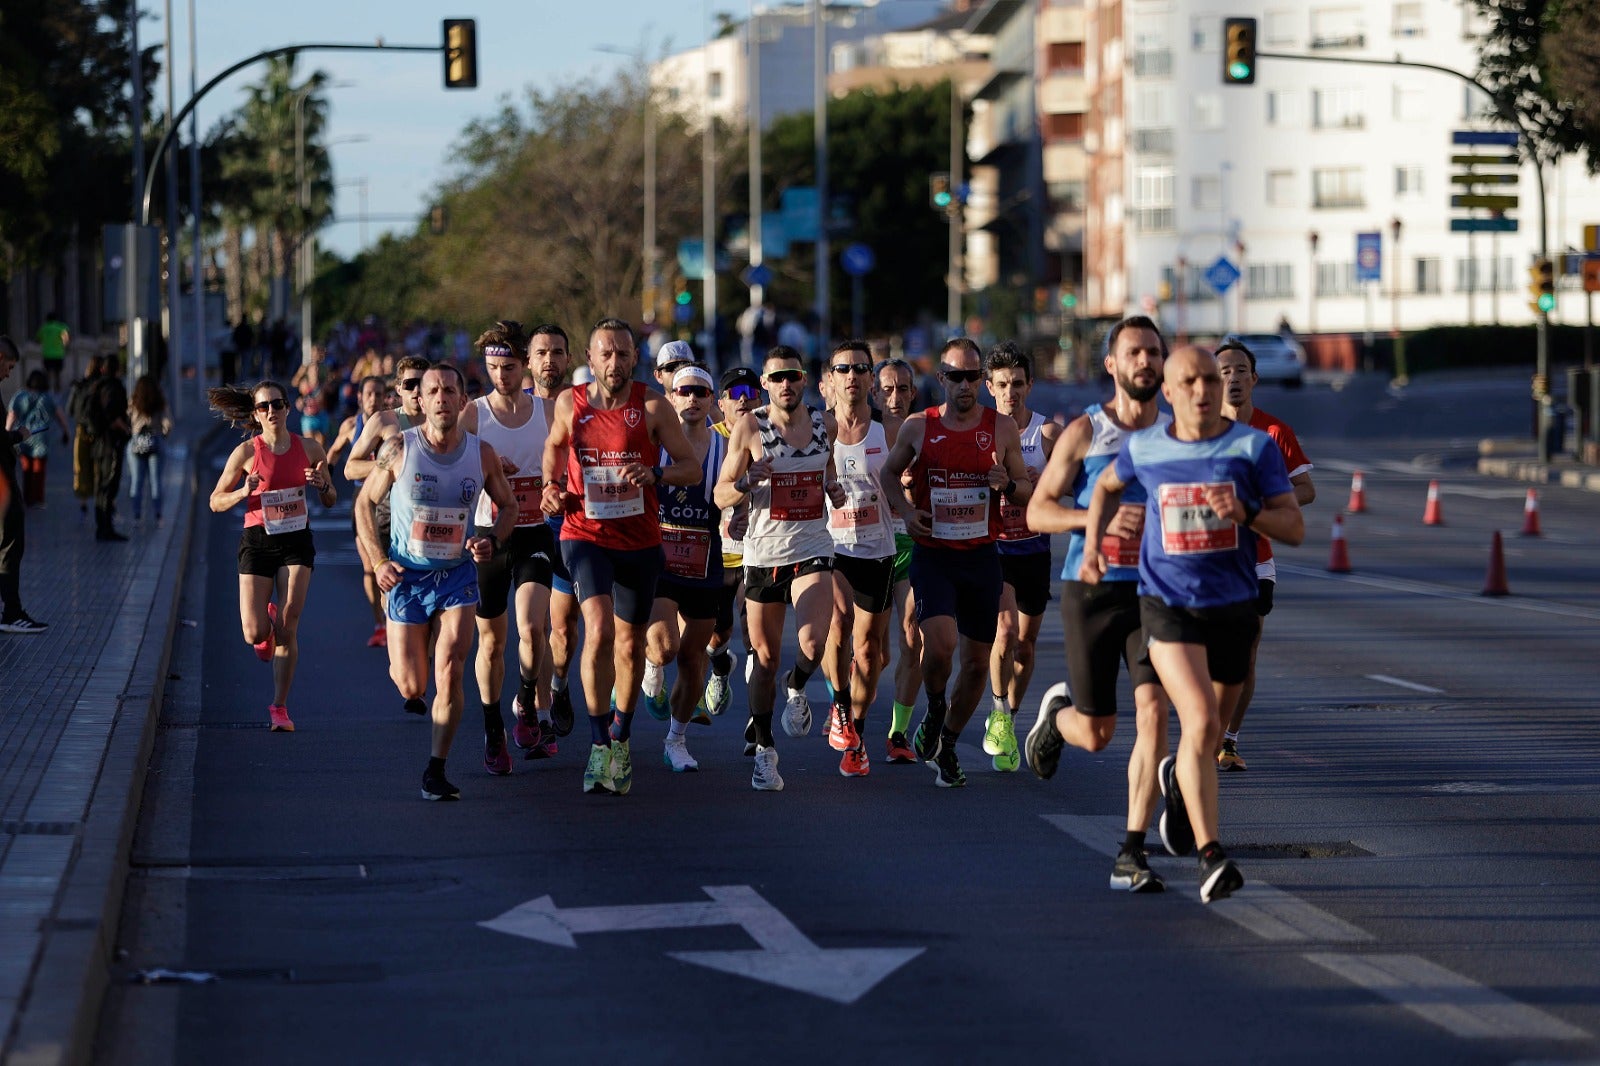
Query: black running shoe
<point>435,787</point>
<point>416,706</point>
<point>561,711</point>
<point>926,738</point>
<point>1044,741</point>
<point>22,624</point>
<point>1131,873</point>
<point>1219,878</point>
<point>946,766</point>
<point>1176,832</point>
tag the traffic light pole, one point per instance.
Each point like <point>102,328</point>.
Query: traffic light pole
<point>1541,372</point>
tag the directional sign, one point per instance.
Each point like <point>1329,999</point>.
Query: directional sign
<point>1221,274</point>
<point>1483,225</point>
<point>1506,137</point>
<point>786,957</point>
<point>1369,256</point>
<point>1491,201</point>
<point>1474,178</point>
<point>857,259</point>
<point>1484,160</point>
<point>1591,238</point>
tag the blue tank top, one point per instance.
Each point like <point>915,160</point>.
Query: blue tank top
<point>431,503</point>
<point>1104,444</point>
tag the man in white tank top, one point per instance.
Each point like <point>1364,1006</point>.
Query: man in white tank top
<point>780,460</point>
<point>513,423</point>
<point>864,555</point>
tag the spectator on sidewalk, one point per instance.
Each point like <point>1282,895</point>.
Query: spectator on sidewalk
<point>13,619</point>
<point>148,418</point>
<point>107,407</point>
<point>82,441</point>
<point>54,336</point>
<point>33,409</point>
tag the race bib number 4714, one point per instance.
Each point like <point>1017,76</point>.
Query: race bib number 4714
<point>1188,524</point>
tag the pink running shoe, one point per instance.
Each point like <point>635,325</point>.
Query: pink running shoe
<point>280,718</point>
<point>266,647</point>
<point>379,638</point>
<point>524,729</point>
<point>496,759</point>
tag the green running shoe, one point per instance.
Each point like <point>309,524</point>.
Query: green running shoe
<point>597,775</point>
<point>621,767</point>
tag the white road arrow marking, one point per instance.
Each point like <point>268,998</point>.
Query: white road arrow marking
<point>787,957</point>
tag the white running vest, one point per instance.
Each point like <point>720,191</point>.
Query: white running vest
<point>524,446</point>
<point>863,527</point>
<point>788,511</point>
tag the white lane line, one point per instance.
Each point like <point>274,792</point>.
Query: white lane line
<point>1417,588</point>
<point>1457,1004</point>
<point>1401,682</point>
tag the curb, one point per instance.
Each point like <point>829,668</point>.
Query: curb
<point>1540,473</point>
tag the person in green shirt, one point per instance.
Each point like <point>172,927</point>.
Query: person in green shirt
<point>53,339</point>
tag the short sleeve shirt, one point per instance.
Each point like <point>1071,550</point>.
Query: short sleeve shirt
<point>1294,459</point>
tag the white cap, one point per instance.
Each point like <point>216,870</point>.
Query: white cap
<point>693,375</point>
<point>674,352</point>
<point>582,376</point>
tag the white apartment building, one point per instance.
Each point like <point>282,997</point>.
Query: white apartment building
<point>1279,177</point>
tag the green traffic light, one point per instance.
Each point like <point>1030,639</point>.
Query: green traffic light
<point>1547,301</point>
<point>941,199</point>
<point>685,298</point>
<point>1069,299</point>
<point>1239,71</point>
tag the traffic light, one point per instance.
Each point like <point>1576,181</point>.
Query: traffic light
<point>1542,285</point>
<point>684,297</point>
<point>460,53</point>
<point>940,195</point>
<point>1238,51</point>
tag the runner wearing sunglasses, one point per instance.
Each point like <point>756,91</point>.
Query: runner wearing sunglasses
<point>741,394</point>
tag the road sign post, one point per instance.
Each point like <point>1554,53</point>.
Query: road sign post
<point>858,260</point>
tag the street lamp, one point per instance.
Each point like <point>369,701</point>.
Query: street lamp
<point>1311,239</point>
<point>1400,377</point>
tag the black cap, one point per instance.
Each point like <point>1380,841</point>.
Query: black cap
<point>739,375</point>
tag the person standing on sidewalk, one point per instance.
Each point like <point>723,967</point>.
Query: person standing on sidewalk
<point>276,549</point>
<point>13,619</point>
<point>107,408</point>
<point>82,437</point>
<point>148,418</point>
<point>54,336</point>
<point>33,409</point>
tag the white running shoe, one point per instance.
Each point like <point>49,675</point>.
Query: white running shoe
<point>675,753</point>
<point>797,713</point>
<point>765,776</point>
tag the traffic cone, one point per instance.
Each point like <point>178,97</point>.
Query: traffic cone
<point>1494,584</point>
<point>1339,557</point>
<point>1358,494</point>
<point>1530,515</point>
<point>1431,515</point>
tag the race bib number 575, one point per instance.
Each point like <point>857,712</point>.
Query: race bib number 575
<point>1188,524</point>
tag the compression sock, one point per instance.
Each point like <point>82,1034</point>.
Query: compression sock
<point>800,672</point>
<point>622,725</point>
<point>528,693</point>
<point>600,730</point>
<point>902,717</point>
<point>763,729</point>
<point>493,723</point>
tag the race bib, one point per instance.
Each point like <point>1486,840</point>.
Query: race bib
<point>861,515</point>
<point>284,510</point>
<point>1188,524</point>
<point>1014,516</point>
<point>529,492</point>
<point>606,495</point>
<point>437,533</point>
<point>1123,551</point>
<point>797,496</point>
<point>960,514</point>
<point>688,551</point>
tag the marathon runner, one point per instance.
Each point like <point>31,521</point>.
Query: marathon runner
<point>1212,486</point>
<point>964,461</point>
<point>370,399</point>
<point>548,359</point>
<point>673,356</point>
<point>741,394</point>
<point>1100,622</point>
<point>780,460</point>
<point>598,470</point>
<point>1024,559</point>
<point>1237,364</point>
<point>896,389</point>
<point>276,550</point>
<point>432,475</point>
<point>864,555</point>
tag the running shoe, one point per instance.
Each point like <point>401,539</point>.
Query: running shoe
<point>264,648</point>
<point>797,713</point>
<point>416,706</point>
<point>926,739</point>
<point>698,716</point>
<point>496,759</point>
<point>719,693</point>
<point>1131,873</point>
<point>379,638</point>
<point>524,728</point>
<point>1219,878</point>
<point>764,778</point>
<point>750,737</point>
<point>561,711</point>
<point>280,718</point>
<point>597,775</point>
<point>1001,731</point>
<point>621,767</point>
<point>435,787</point>
<point>1228,757</point>
<point>657,706</point>
<point>1044,740</point>
<point>842,735</point>
<point>854,763</point>
<point>1176,832</point>
<point>544,742</point>
<point>946,768</point>
<point>900,749</point>
<point>675,753</point>
<point>22,624</point>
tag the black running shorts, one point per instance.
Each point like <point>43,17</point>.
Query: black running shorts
<point>1102,625</point>
<point>628,577</point>
<point>524,557</point>
<point>964,585</point>
<point>1264,590</point>
<point>871,581</point>
<point>263,554</point>
<point>728,598</point>
<point>1227,633</point>
<point>696,603</point>
<point>771,584</point>
<point>1029,578</point>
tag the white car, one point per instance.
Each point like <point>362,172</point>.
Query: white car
<point>1279,361</point>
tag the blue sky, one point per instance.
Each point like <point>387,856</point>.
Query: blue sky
<point>397,100</point>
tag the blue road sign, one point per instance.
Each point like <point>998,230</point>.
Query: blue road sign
<point>1369,256</point>
<point>1221,274</point>
<point>798,206</point>
<point>857,259</point>
<point>1505,137</point>
<point>1483,225</point>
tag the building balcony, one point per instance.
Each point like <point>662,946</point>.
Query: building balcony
<point>1338,201</point>
<point>1338,40</point>
<point>1154,141</point>
<point>1153,63</point>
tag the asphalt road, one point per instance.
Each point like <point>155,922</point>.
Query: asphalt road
<point>1418,826</point>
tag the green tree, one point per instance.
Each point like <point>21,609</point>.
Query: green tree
<point>1574,52</point>
<point>1515,62</point>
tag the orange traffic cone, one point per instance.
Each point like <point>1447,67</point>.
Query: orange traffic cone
<point>1358,494</point>
<point>1339,557</point>
<point>1494,583</point>
<point>1530,515</point>
<point>1431,515</point>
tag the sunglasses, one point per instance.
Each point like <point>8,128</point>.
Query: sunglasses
<point>851,368</point>
<point>743,392</point>
<point>787,376</point>
<point>950,373</point>
<point>272,405</point>
<point>699,392</point>
<point>411,384</point>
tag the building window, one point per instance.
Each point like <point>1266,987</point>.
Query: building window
<point>1283,107</point>
<point>1428,275</point>
<point>1064,126</point>
<point>1153,199</point>
<point>1280,188</point>
<point>1337,109</point>
<point>1338,27</point>
<point>1206,109</point>
<point>1152,63</point>
<point>1337,279</point>
<point>1152,107</point>
<point>1279,26</point>
<point>1468,277</point>
<point>1269,281</point>
<point>1410,104</point>
<point>716,85</point>
<point>1204,32</point>
<point>1408,19</point>
<point>1205,193</point>
<point>1065,55</point>
<point>1333,187</point>
<point>1407,181</point>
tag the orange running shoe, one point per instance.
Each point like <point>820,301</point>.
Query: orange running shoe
<point>265,648</point>
<point>379,638</point>
<point>280,718</point>
<point>842,735</point>
<point>900,749</point>
<point>854,763</point>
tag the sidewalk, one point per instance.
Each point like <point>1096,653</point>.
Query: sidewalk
<point>1517,460</point>
<point>78,707</point>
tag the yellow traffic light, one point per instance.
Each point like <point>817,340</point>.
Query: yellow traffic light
<point>1238,51</point>
<point>460,53</point>
<point>1542,286</point>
